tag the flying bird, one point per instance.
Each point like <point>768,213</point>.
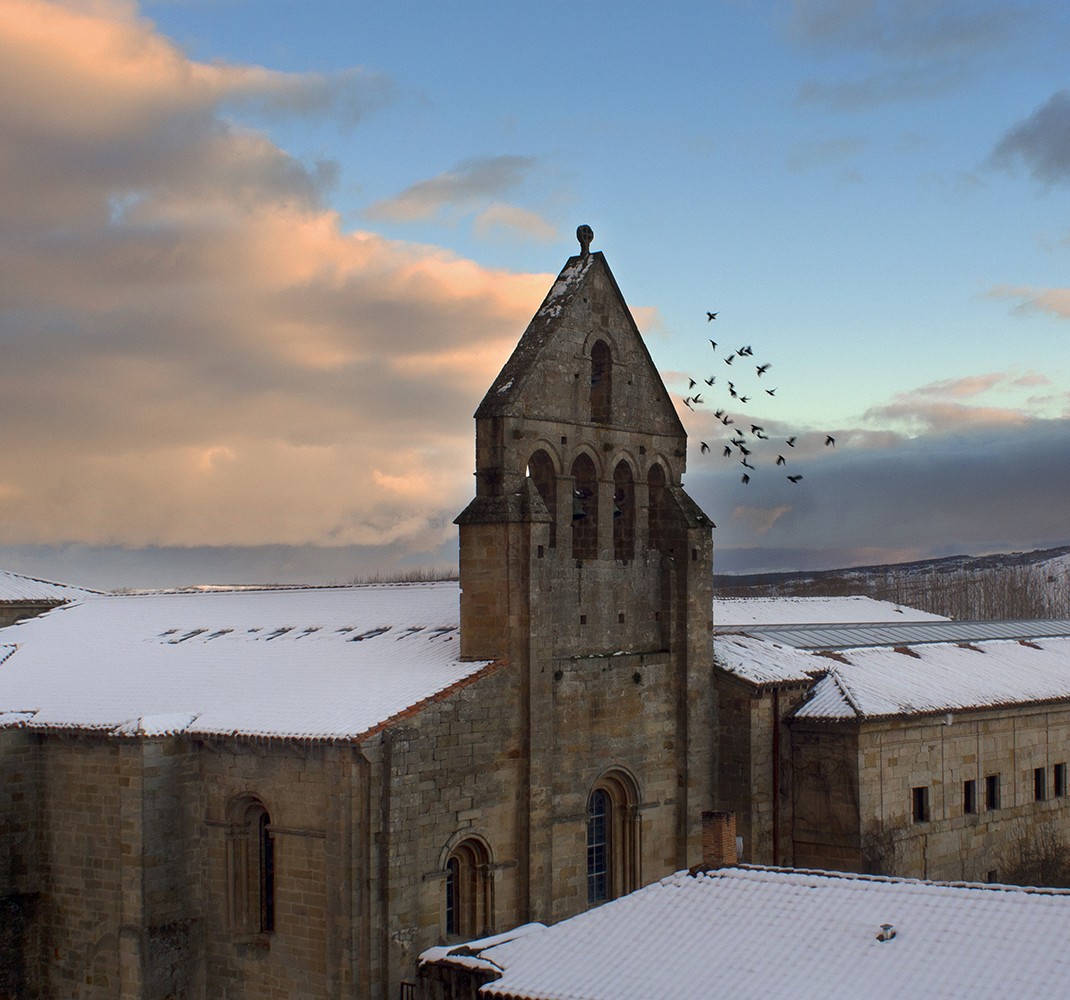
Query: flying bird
<point>710,380</point>
<point>830,440</point>
<point>762,369</point>
<point>745,352</point>
<point>697,398</point>
<point>791,441</point>
<point>780,460</point>
<point>744,399</point>
<point>729,359</point>
<point>727,451</point>
<point>795,479</point>
<point>705,448</point>
<point>746,464</point>
<point>710,316</point>
<point>756,428</point>
<point>732,390</point>
<point>713,344</point>
<point>691,383</point>
<point>771,392</point>
<point>745,479</point>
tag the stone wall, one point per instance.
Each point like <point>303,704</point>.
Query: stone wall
<point>940,754</point>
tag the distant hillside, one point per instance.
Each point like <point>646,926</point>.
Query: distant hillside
<point>1008,585</point>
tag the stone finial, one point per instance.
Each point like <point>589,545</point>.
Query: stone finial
<point>585,234</point>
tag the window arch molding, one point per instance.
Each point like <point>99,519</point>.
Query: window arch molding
<point>250,866</point>
<point>614,842</point>
<point>467,864</point>
<point>544,469</point>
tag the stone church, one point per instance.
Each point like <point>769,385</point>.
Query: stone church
<point>291,793</point>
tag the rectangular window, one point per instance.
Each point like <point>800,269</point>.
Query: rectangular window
<point>992,791</point>
<point>920,797</point>
<point>969,796</point>
<point>1060,780</point>
<point>1040,784</point>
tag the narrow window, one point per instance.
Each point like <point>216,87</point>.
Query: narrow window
<point>601,382</point>
<point>584,509</point>
<point>267,873</point>
<point>1040,784</point>
<point>1060,780</point>
<point>612,838</point>
<point>969,796</point>
<point>992,791</point>
<point>468,905</point>
<point>251,868</point>
<point>598,817</point>
<point>623,512</point>
<point>920,797</point>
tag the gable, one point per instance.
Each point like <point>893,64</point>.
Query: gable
<point>549,374</point>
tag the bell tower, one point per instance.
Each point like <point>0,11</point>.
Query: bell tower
<point>581,550</point>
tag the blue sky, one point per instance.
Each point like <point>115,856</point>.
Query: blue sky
<point>261,260</point>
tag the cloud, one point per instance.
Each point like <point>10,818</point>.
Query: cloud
<point>195,353</point>
<point>1041,142</point>
<point>1055,301</point>
<point>972,490</point>
<point>917,49</point>
<point>940,407</point>
<point>509,220</point>
<point>467,185</point>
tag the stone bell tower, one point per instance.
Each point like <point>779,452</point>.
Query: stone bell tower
<point>581,552</point>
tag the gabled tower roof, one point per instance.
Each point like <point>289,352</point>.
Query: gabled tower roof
<point>561,329</point>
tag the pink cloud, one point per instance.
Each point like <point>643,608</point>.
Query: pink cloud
<point>202,352</point>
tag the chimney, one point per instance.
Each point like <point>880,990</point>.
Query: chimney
<point>719,839</point>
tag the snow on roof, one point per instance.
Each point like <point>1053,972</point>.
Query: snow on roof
<point>16,588</point>
<point>794,935</point>
<point>760,662</point>
<point>734,612</point>
<point>940,677</point>
<point>311,664</point>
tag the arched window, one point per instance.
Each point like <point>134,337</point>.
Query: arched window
<point>584,509</point>
<point>469,906</point>
<point>251,868</point>
<point>612,838</point>
<point>623,512</point>
<point>541,470</point>
<point>601,382</point>
<point>656,509</point>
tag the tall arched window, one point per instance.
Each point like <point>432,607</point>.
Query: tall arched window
<point>584,509</point>
<point>623,512</point>
<point>601,382</point>
<point>612,838</point>
<point>541,470</point>
<point>251,867</point>
<point>656,508</point>
<point>469,905</point>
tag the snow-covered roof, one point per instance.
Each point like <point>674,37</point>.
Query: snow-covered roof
<point>793,935</point>
<point>330,663</point>
<point>18,589</point>
<point>761,663</point>
<point>940,677</point>
<point>737,612</point>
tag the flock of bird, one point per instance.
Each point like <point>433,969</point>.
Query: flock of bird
<point>739,444</point>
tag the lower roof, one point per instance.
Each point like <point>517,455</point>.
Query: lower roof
<point>330,663</point>
<point>780,934</point>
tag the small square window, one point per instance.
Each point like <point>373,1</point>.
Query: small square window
<point>992,791</point>
<point>920,804</point>
<point>1040,784</point>
<point>969,796</point>
<point>583,619</point>
<point>1060,781</point>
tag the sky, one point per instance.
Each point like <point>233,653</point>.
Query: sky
<point>259,261</point>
